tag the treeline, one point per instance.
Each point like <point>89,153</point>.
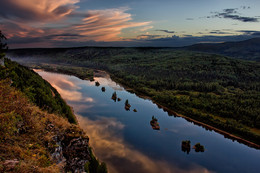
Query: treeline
<point>37,90</point>
<point>80,72</point>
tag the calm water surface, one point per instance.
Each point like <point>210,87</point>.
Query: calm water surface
<point>126,141</point>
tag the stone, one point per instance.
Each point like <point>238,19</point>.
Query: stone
<point>9,165</point>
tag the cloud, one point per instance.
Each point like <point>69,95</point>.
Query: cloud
<point>35,10</point>
<point>68,89</point>
<point>166,31</point>
<point>250,32</point>
<point>146,28</point>
<point>186,40</point>
<point>219,32</point>
<point>147,37</point>
<point>107,81</point>
<point>106,25</point>
<point>232,13</point>
<point>245,7</point>
<point>49,23</point>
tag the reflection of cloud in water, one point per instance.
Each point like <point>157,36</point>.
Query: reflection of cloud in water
<point>108,142</point>
<point>67,89</point>
<point>68,94</point>
<point>66,84</point>
<point>80,107</point>
<point>108,82</point>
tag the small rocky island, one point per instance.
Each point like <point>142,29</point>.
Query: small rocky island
<point>97,83</point>
<point>198,147</point>
<point>185,146</point>
<point>114,96</point>
<point>103,89</point>
<point>154,123</point>
<point>127,105</point>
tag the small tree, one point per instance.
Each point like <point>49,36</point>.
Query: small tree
<point>126,102</point>
<point>3,45</point>
<point>3,48</point>
<point>114,96</point>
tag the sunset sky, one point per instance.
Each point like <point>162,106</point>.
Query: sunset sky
<point>68,23</point>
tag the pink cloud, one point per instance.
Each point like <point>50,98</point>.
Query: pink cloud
<point>106,25</point>
<point>37,10</point>
<point>47,22</point>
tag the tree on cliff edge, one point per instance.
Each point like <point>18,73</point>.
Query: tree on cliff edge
<point>3,45</point>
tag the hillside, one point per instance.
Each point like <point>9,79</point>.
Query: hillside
<point>220,91</point>
<point>247,50</point>
<point>34,139</point>
<point>30,137</point>
<point>37,90</point>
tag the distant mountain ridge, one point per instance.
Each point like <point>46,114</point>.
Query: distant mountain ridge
<point>247,50</point>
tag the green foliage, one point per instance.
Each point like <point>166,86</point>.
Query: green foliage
<point>38,90</point>
<point>3,45</point>
<point>93,166</point>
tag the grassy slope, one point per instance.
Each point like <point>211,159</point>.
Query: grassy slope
<point>29,146</point>
<point>216,90</point>
<point>26,131</point>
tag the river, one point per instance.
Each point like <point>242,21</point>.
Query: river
<point>127,143</point>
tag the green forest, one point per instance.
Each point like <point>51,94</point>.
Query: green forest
<point>220,91</point>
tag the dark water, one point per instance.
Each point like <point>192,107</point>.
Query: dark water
<point>126,141</point>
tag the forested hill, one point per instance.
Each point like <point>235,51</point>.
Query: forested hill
<point>39,91</point>
<point>248,49</point>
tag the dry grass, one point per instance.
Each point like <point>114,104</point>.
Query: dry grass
<point>25,133</point>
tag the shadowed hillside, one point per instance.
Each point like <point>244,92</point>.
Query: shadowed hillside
<point>248,49</point>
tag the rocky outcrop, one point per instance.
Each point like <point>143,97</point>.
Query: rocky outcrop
<point>77,154</point>
<point>32,140</point>
<point>9,165</point>
<point>70,150</point>
<point>154,123</point>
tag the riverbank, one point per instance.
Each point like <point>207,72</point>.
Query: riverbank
<point>80,72</point>
<point>196,122</point>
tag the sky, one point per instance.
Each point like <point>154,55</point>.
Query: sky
<point>167,23</point>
